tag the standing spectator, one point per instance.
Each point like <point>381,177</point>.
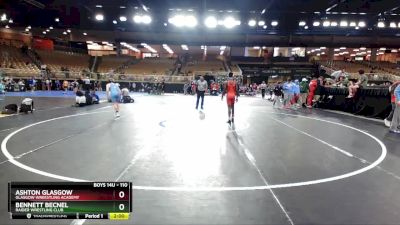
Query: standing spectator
<point>201,89</point>
<point>21,85</point>
<point>311,91</point>
<point>58,84</point>
<point>388,119</point>
<point>133,86</point>
<point>363,80</point>
<point>65,86</point>
<point>263,88</point>
<point>303,91</point>
<point>288,92</point>
<point>86,83</point>
<point>114,93</point>
<point>48,84</point>
<point>296,93</point>
<point>32,84</point>
<point>277,93</point>
<point>395,125</point>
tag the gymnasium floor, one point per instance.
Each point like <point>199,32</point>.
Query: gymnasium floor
<point>188,167</point>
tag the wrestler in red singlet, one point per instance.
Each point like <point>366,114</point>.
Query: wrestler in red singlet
<point>230,88</point>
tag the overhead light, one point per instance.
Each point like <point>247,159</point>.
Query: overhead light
<point>252,23</point>
<point>146,19</point>
<point>130,47</point>
<point>369,51</point>
<point>342,48</point>
<point>51,28</point>
<point>353,24</point>
<point>362,13</point>
<point>7,27</point>
<point>99,6</point>
<point>264,47</point>
<point>393,50</point>
<point>256,47</point>
<point>65,33</point>
<point>356,50</point>
<point>318,54</point>
<point>44,32</point>
<point>337,50</point>
<point>265,27</point>
<point>302,23</point>
<point>211,22</point>
<point>122,18</point>
<point>26,29</point>
<point>99,17</point>
<point>149,47</point>
<point>137,19</point>
<point>115,22</point>
<point>10,21</point>
<point>29,27</point>
<point>316,23</point>
<point>185,47</point>
<point>382,49</point>
<point>222,48</point>
<point>322,53</point>
<point>336,54</point>
<point>122,7</point>
<point>191,21</point>
<point>393,25</point>
<point>323,48</point>
<point>363,48</point>
<point>274,23</point>
<point>357,28</point>
<point>344,23</point>
<point>326,23</point>
<point>69,31</point>
<point>361,24</point>
<point>84,33</point>
<point>57,19</point>
<point>3,17</point>
<point>263,11</point>
<point>352,55</point>
<point>306,27</point>
<point>230,22</point>
<point>381,24</point>
<point>47,30</point>
<point>261,23</point>
<point>344,13</point>
<point>181,21</point>
<point>334,24</point>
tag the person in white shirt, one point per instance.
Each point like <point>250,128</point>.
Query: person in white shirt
<point>201,89</point>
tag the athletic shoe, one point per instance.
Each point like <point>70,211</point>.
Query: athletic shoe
<point>117,114</point>
<point>387,123</point>
<point>309,106</point>
<point>229,122</point>
<point>395,131</point>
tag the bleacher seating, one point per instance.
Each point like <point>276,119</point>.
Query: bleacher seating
<point>151,66</point>
<point>12,58</point>
<point>54,60</point>
<point>112,62</point>
<point>209,65</point>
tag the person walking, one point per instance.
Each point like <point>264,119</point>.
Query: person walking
<point>201,89</point>
<point>114,93</point>
<point>303,91</point>
<point>231,89</point>
<point>388,120</point>
<point>263,88</point>
<point>395,124</point>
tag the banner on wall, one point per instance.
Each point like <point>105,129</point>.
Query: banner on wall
<point>45,44</point>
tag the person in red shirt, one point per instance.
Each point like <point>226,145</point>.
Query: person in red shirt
<point>231,89</point>
<point>312,88</point>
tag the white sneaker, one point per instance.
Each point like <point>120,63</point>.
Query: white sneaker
<point>117,114</point>
<point>387,123</point>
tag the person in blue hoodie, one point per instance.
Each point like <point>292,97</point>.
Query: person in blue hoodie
<point>395,125</point>
<point>288,92</point>
<point>296,93</point>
